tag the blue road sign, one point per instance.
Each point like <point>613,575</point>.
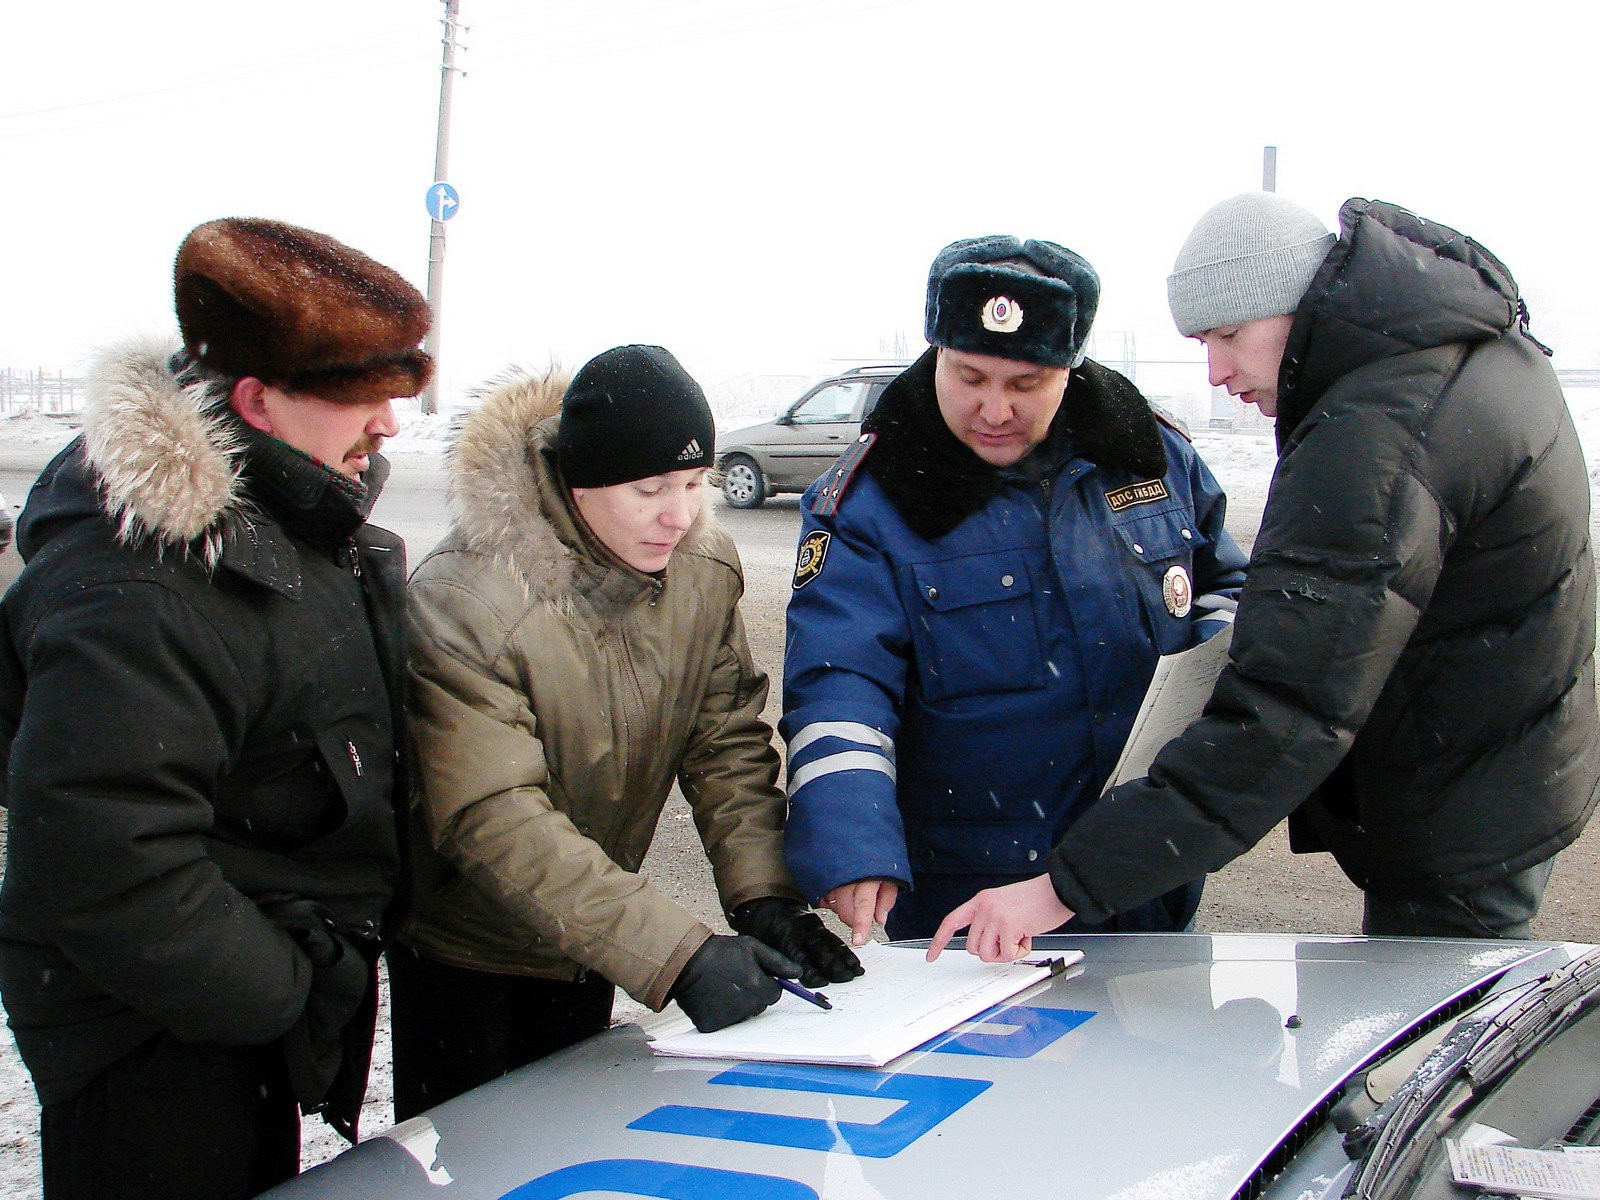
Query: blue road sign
<point>443,200</point>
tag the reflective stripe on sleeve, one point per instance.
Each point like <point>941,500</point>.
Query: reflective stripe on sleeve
<point>1216,608</point>
<point>850,731</point>
<point>831,764</point>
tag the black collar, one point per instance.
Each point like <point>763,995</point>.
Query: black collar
<point>935,482</point>
<point>287,492</point>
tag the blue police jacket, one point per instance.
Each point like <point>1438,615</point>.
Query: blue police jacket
<point>967,648</point>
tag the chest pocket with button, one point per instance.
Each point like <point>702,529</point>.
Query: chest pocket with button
<point>973,625</point>
<point>1159,541</point>
<point>1161,537</point>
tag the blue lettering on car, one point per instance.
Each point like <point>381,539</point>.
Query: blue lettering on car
<point>663,1180</point>
<point>929,1099</point>
<point>1014,1032</point>
<point>1017,1032</point>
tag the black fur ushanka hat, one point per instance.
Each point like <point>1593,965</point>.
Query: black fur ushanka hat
<point>1030,301</point>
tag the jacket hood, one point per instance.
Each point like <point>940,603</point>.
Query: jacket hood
<point>507,500</point>
<point>935,482</point>
<point>139,424</point>
<point>162,462</point>
<point>1392,284</point>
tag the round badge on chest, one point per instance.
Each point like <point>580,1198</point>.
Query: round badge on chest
<point>1177,591</point>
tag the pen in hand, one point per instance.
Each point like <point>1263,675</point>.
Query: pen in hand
<point>804,993</point>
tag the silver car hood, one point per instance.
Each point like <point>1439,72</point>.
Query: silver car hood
<point>1170,1066</point>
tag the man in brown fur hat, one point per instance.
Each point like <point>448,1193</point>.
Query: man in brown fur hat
<point>200,679</point>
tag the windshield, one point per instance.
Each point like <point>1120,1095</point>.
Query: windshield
<point>1518,1072</point>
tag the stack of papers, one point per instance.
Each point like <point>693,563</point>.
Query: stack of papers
<point>1177,695</point>
<point>1554,1174</point>
<point>899,1003</point>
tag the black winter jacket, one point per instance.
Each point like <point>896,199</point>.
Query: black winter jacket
<point>200,677</point>
<point>1412,669</point>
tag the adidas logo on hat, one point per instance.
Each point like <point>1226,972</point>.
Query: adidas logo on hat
<point>690,452</point>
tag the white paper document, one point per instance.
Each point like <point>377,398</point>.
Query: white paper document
<point>1177,693</point>
<point>1514,1170</point>
<point>899,1003</point>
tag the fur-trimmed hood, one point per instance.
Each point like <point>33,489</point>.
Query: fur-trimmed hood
<point>936,482</point>
<point>508,502</point>
<point>159,465</point>
<point>163,463</point>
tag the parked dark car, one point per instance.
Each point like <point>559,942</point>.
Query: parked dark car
<point>787,453</point>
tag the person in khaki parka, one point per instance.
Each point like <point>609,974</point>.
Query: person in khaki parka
<point>576,646</point>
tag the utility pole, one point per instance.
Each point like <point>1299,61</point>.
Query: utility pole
<point>1269,168</point>
<point>441,204</point>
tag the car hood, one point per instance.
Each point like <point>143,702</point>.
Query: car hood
<point>1169,1066</point>
<point>733,437</point>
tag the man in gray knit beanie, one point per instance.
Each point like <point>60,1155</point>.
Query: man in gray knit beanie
<point>1411,676</point>
<point>1236,283</point>
<point>1250,256</point>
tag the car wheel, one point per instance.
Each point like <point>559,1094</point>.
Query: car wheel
<point>742,483</point>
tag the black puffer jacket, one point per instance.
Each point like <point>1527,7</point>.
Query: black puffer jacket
<point>198,730</point>
<point>1412,667</point>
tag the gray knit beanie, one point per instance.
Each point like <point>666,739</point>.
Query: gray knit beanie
<point>1251,256</point>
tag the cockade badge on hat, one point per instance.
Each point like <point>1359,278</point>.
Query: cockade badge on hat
<point>1002,315</point>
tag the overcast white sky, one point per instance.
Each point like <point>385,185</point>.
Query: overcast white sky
<point>759,185</point>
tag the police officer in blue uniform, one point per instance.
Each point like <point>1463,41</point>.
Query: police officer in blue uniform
<point>984,583</point>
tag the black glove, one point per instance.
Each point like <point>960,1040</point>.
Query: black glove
<point>792,929</point>
<point>728,980</point>
<point>314,1046</point>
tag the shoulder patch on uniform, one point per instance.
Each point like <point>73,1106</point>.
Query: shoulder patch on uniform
<point>837,479</point>
<point>1127,496</point>
<point>1172,422</point>
<point>813,552</point>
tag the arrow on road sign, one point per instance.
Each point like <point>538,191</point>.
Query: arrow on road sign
<point>443,200</point>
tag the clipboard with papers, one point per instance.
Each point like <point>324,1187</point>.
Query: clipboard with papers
<point>899,1003</point>
<point>1177,694</point>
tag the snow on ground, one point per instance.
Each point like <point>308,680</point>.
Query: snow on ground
<point>1241,462</point>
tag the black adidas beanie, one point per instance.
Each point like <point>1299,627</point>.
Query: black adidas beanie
<point>631,413</point>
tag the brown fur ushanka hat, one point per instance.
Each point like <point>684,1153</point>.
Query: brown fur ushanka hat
<point>299,310</point>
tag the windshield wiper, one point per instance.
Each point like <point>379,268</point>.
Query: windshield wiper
<point>1479,1052</point>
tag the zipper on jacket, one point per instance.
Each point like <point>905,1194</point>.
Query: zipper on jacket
<point>353,558</point>
<point>638,727</point>
<point>635,708</point>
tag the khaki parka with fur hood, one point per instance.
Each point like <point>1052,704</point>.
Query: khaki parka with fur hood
<point>557,694</point>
